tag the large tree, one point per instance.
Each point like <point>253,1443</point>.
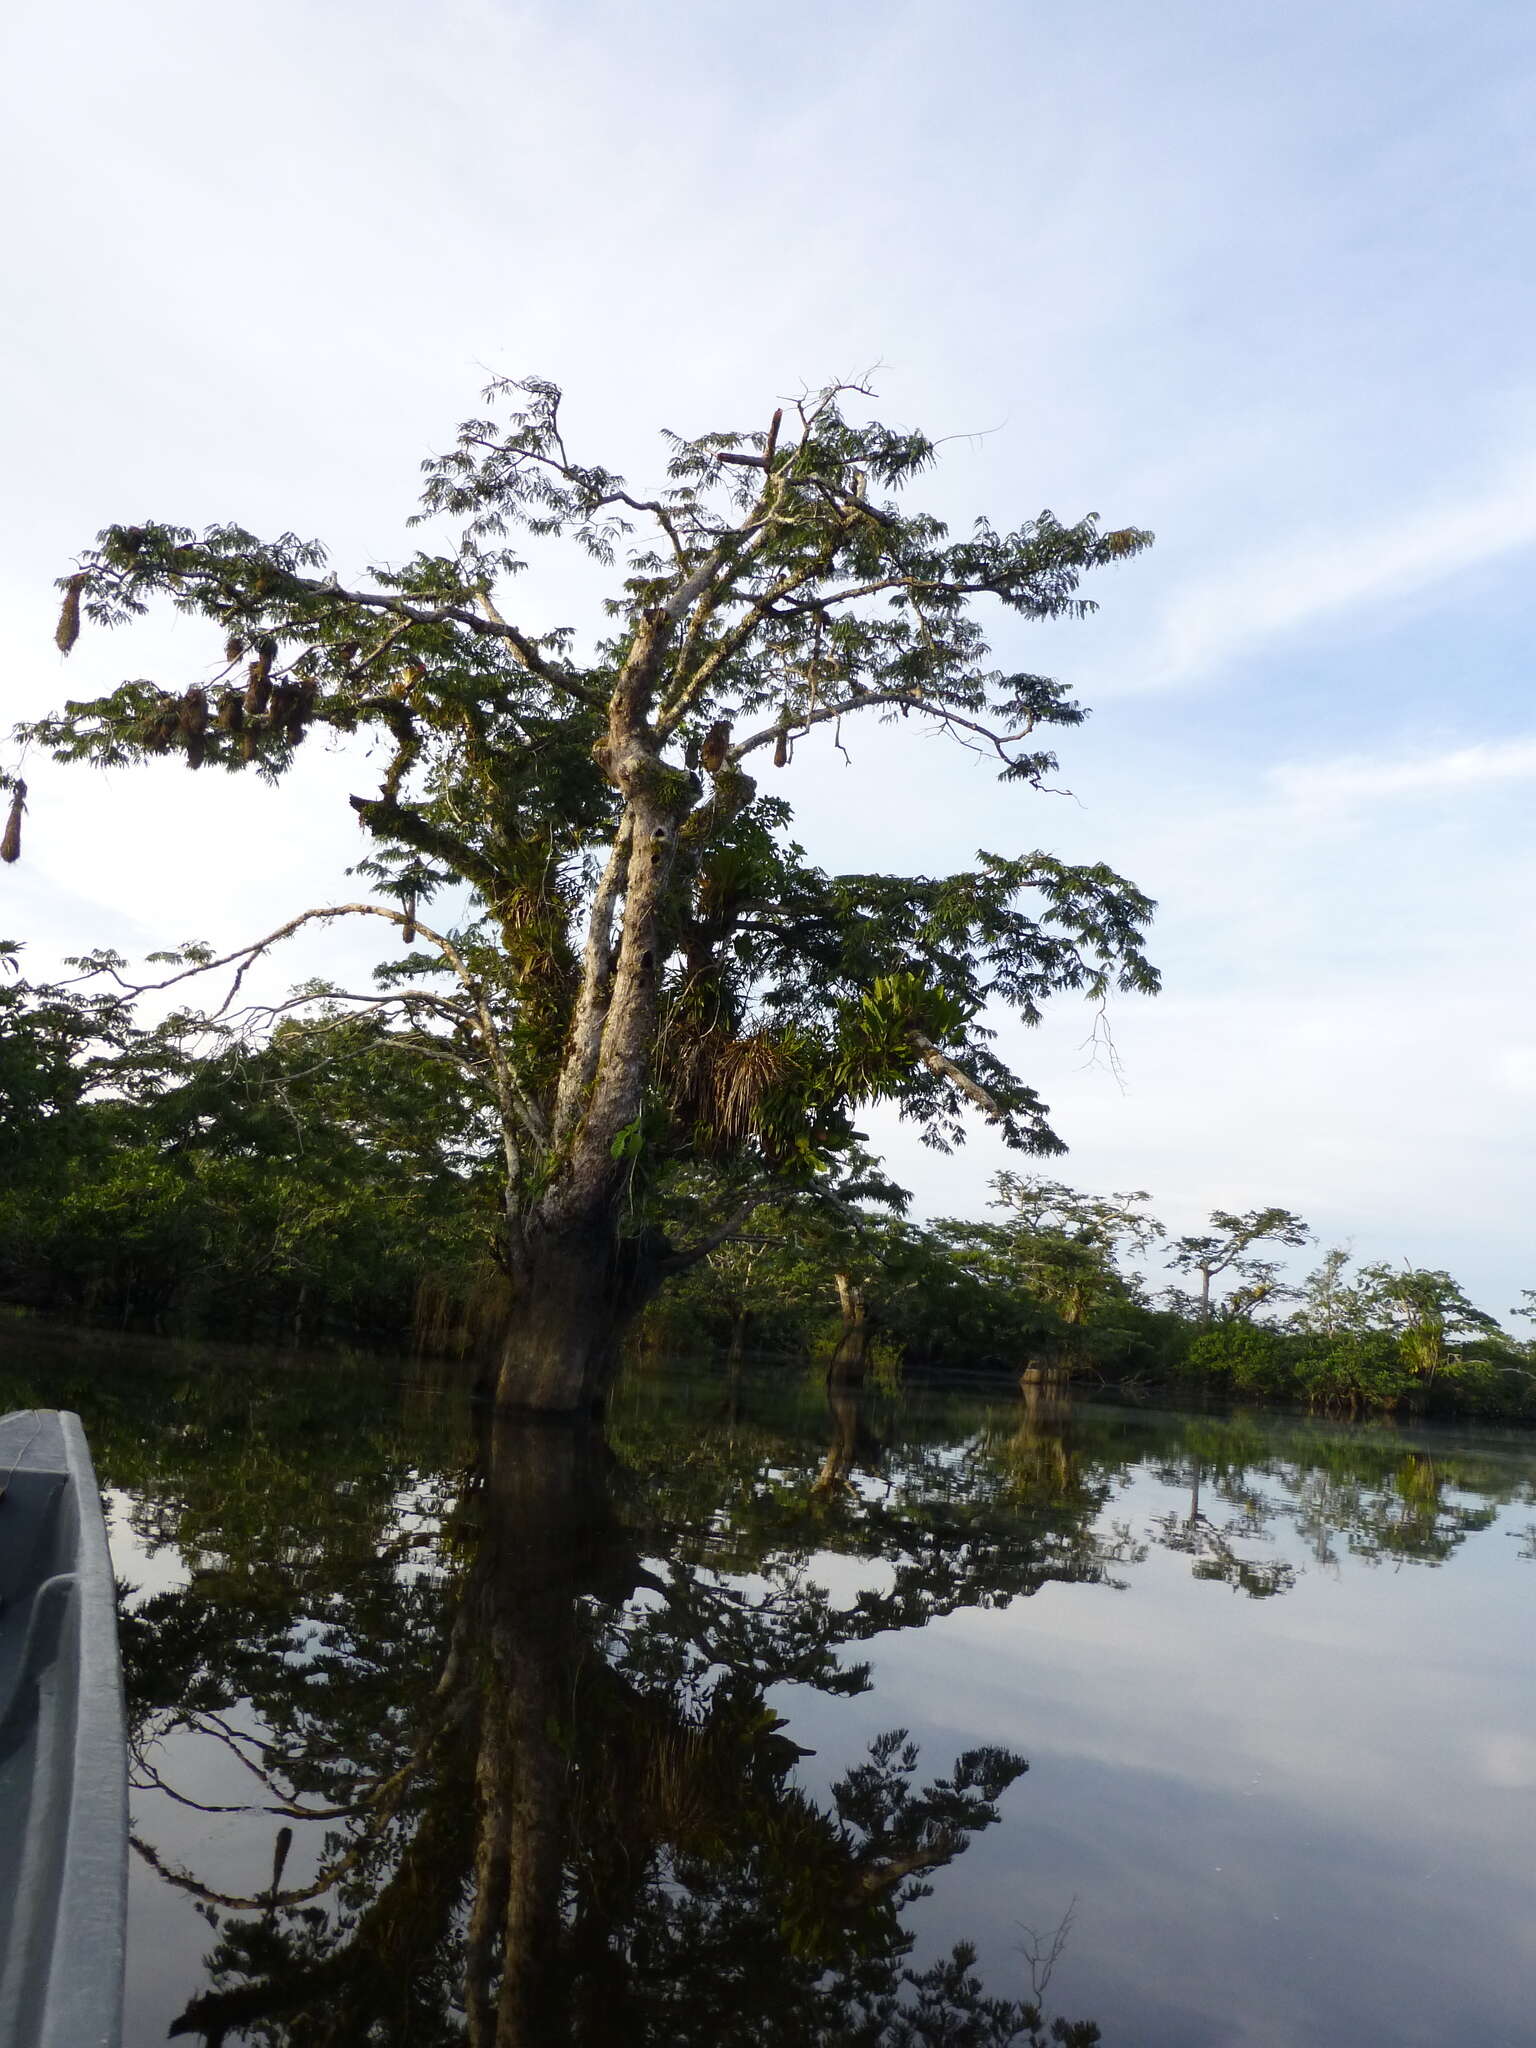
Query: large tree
<point>1228,1247</point>
<point>1064,1246</point>
<point>642,965</point>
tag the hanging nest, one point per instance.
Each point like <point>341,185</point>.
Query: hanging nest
<point>159,729</point>
<point>231,711</point>
<point>302,709</point>
<point>258,677</point>
<point>10,845</point>
<point>285,705</point>
<point>192,719</point>
<point>67,632</point>
<point>234,647</point>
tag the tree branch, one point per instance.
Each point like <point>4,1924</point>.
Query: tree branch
<point>680,1261</point>
<point>515,1105</point>
<point>586,1035</point>
<point>492,626</point>
<point>941,1064</point>
<point>869,700</point>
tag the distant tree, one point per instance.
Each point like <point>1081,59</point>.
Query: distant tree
<point>1428,1311</point>
<point>795,1255</point>
<point>1069,1245</point>
<point>650,968</point>
<point>62,1048</point>
<point>1227,1247</point>
<point>1329,1303</point>
<point>1056,1252</point>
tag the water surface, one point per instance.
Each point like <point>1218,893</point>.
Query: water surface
<point>711,1727</point>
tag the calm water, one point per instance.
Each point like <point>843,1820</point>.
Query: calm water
<point>528,1735</point>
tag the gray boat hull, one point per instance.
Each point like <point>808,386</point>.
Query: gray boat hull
<point>63,1759</point>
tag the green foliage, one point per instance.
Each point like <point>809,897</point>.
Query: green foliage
<point>1052,1284</point>
<point>1358,1368</point>
<point>1227,1248</point>
<point>1376,1338</point>
<point>1252,1356</point>
<point>182,1180</point>
<point>1061,1247</point>
<point>325,1183</point>
<point>747,1003</point>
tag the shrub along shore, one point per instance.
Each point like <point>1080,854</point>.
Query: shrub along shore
<point>317,1189</point>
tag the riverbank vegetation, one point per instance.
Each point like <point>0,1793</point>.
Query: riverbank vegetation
<point>313,1186</point>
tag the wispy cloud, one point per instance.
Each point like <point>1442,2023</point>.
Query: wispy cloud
<point>1289,588</point>
<point>1359,778</point>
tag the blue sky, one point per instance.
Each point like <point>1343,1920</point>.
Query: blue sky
<point>1256,278</point>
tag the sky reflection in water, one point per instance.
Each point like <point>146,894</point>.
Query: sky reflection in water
<point>1273,1679</point>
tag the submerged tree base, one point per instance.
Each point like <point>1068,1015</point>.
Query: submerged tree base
<point>573,1309</point>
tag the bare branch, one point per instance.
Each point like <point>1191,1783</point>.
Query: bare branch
<point>870,700</point>
<point>150,1780</point>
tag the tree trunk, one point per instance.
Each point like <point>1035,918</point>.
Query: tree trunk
<point>738,1345</point>
<point>1047,1396</point>
<point>850,1360</point>
<point>549,1538</point>
<point>523,1707</point>
<point>580,1290</point>
<point>853,1442</point>
<point>1050,1375</point>
<point>579,1280</point>
<point>1043,1435</point>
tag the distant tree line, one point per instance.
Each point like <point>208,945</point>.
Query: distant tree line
<point>323,1184</point>
<point>1076,1286</point>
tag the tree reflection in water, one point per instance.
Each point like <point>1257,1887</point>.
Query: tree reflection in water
<point>513,1701</point>
<point>591,1830</point>
<point>1367,1490</point>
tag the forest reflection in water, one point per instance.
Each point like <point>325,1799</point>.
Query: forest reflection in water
<point>457,1729</point>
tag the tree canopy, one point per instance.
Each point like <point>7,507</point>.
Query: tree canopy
<point>640,965</point>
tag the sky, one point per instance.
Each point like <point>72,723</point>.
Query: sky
<point>1258,279</point>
